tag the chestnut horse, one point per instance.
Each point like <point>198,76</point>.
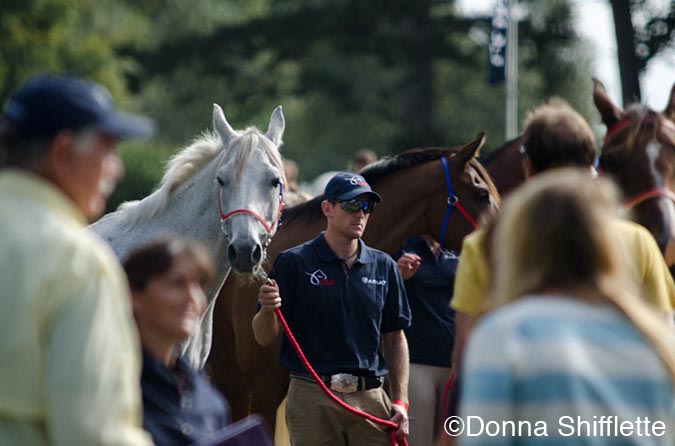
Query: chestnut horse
<point>415,201</point>
<point>639,153</point>
<point>505,165</point>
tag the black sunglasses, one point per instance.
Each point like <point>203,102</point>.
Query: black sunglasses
<point>353,206</point>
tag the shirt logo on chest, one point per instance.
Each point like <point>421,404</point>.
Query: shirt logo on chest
<point>319,278</point>
<point>368,281</point>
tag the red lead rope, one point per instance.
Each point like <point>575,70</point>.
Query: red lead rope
<point>390,424</point>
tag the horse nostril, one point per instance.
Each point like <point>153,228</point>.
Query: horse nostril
<point>256,255</point>
<point>231,254</point>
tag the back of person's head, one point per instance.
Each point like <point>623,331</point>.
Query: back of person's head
<point>555,232</point>
<point>557,136</point>
<point>361,159</point>
<point>157,257</point>
<point>558,234</point>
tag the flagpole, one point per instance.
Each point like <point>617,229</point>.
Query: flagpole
<point>511,90</point>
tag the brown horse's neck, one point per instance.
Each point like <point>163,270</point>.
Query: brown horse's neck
<point>402,213</point>
<point>293,234</point>
<point>505,166</point>
<point>400,216</point>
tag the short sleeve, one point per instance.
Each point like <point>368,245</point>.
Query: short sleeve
<point>284,272</point>
<point>92,363</point>
<point>657,282</point>
<point>396,312</point>
<point>471,281</point>
<point>655,279</point>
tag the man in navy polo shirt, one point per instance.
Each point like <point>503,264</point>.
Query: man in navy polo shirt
<point>340,298</point>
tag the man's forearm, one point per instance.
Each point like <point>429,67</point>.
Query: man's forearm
<point>395,346</point>
<point>265,327</point>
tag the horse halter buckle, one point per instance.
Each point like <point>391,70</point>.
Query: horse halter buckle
<point>453,202</point>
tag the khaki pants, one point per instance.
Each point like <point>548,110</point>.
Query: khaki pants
<point>426,403</point>
<point>314,420</point>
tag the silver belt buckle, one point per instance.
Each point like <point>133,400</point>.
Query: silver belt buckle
<point>344,383</point>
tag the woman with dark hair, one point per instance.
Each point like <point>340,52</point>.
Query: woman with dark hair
<point>167,280</point>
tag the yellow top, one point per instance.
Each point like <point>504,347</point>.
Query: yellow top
<point>69,352</point>
<point>652,274</point>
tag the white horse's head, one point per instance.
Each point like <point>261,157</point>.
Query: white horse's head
<point>249,179</point>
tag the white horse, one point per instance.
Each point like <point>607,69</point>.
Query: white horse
<point>225,191</point>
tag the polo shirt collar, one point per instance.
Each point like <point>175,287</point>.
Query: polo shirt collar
<point>326,254</point>
<point>33,187</point>
<point>157,368</point>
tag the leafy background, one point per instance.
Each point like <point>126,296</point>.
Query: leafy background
<point>383,74</point>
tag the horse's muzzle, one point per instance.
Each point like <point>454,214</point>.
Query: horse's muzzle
<point>244,257</point>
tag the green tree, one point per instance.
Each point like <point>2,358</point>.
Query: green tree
<point>74,36</point>
<point>384,74</point>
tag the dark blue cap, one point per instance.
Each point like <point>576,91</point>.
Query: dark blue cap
<point>47,104</point>
<point>345,186</point>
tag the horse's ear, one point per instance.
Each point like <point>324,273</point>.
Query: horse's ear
<point>221,125</point>
<point>610,113</point>
<point>670,108</point>
<point>275,131</point>
<point>470,150</point>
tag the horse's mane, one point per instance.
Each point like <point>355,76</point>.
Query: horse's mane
<point>499,150</point>
<point>645,124</point>
<point>389,165</point>
<point>188,161</point>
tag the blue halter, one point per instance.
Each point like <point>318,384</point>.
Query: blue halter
<point>453,202</point>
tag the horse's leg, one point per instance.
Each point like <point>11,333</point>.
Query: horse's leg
<point>222,365</point>
<point>198,347</point>
<point>268,382</point>
<point>268,388</point>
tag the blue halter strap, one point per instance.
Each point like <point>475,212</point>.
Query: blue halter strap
<point>453,202</point>
<point>452,199</point>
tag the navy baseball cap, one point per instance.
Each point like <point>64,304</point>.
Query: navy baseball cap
<point>345,186</point>
<point>47,104</point>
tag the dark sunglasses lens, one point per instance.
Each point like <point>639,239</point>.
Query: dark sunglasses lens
<point>351,206</point>
<point>354,206</point>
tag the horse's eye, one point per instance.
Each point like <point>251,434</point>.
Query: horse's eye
<point>483,196</point>
<point>220,181</point>
<point>276,182</point>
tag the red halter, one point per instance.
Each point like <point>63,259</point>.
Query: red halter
<point>646,195</point>
<point>270,229</point>
<point>615,128</point>
<point>453,202</point>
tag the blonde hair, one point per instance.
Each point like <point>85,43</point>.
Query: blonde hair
<point>557,234</point>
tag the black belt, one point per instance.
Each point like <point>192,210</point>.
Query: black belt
<point>363,383</point>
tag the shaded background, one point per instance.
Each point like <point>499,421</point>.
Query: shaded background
<point>383,74</point>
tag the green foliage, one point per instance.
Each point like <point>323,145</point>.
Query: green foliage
<point>389,75</point>
<point>385,74</point>
<point>69,36</point>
